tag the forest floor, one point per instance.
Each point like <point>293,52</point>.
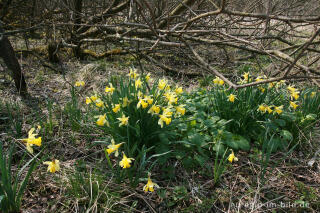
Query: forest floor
<point>290,185</point>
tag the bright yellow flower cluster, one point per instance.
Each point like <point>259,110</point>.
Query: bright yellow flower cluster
<point>218,81</point>
<point>133,74</point>
<point>294,93</point>
<point>265,108</point>
<point>109,89</point>
<point>79,84</point>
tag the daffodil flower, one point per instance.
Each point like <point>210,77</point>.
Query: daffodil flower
<point>231,97</point>
<point>171,98</point>
<point>113,148</point>
<point>218,80</point>
<point>178,90</point>
<point>133,73</point>
<point>154,109</point>
<point>116,108</point>
<point>150,185</point>
<point>142,103</point>
<point>269,109</point>
<point>53,166</point>
<point>260,78</point>
<point>110,89</point>
<point>31,140</point>
<point>138,83</point>
<point>262,89</point>
<point>102,120</point>
<point>232,157</point>
<point>246,76</point>
<point>123,120</point>
<point>262,108</point>
<point>164,118</point>
<point>313,94</point>
<point>125,102</point>
<point>291,89</point>
<point>148,99</point>
<point>162,84</point>
<point>271,85</point>
<point>79,84</point>
<point>91,99</point>
<point>99,102</point>
<point>295,95</point>
<point>125,162</point>
<point>278,109</point>
<point>181,110</point>
<point>293,105</point>
<point>148,78</point>
<point>140,95</point>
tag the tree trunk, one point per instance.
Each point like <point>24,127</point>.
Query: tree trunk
<point>8,55</point>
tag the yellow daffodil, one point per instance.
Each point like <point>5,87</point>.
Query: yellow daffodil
<point>261,89</point>
<point>123,120</point>
<point>269,109</point>
<point>218,80</point>
<point>262,108</point>
<point>138,83</point>
<point>140,94</point>
<point>313,94</point>
<point>291,89</point>
<point>181,110</point>
<point>171,97</point>
<point>53,166</point>
<point>125,162</point>
<point>261,78</point>
<point>102,120</point>
<point>148,78</point>
<point>162,84</point>
<point>125,102</point>
<point>154,109</point>
<point>88,100</point>
<point>99,102</point>
<point>133,73</point>
<point>280,83</point>
<point>178,90</point>
<point>91,99</point>
<point>142,103</point>
<point>79,84</point>
<point>278,109</point>
<point>232,157</point>
<point>150,185</point>
<point>116,108</point>
<point>293,105</point>
<point>32,140</point>
<point>113,147</point>
<point>231,98</point>
<point>295,95</point>
<point>167,112</point>
<point>110,89</point>
<point>148,99</point>
<point>164,119</point>
<point>271,85</point>
<point>246,76</point>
